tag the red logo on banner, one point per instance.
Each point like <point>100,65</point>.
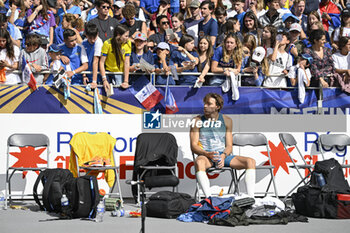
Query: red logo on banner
<point>279,157</point>
<point>28,157</point>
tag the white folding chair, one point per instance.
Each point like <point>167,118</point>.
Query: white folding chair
<point>334,141</point>
<point>255,140</point>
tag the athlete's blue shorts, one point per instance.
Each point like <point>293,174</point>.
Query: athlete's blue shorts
<point>227,161</point>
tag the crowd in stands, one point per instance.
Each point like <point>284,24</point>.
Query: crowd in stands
<point>275,43</point>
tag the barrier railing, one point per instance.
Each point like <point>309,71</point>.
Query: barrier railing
<point>240,75</point>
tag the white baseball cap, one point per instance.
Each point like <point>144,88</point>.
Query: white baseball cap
<point>163,45</point>
<point>119,4</point>
<point>295,27</point>
<point>258,54</point>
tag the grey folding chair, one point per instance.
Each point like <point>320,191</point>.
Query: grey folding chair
<point>256,139</point>
<point>21,141</point>
<point>288,141</point>
<point>327,142</point>
<point>92,169</point>
<point>213,170</point>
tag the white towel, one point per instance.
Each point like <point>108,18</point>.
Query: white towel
<point>198,84</point>
<point>231,82</point>
<point>302,78</point>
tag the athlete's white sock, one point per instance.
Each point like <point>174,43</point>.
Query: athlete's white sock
<point>250,181</point>
<point>204,183</point>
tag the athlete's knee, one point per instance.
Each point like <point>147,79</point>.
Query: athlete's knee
<point>200,163</point>
<point>250,163</point>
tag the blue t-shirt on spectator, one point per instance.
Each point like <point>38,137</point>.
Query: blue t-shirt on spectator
<point>75,10</point>
<point>134,59</point>
<point>218,56</point>
<point>75,56</point>
<point>179,58</point>
<point>58,35</point>
<point>150,5</point>
<point>208,29</point>
<point>162,79</point>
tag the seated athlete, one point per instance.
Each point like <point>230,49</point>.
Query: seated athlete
<point>207,141</point>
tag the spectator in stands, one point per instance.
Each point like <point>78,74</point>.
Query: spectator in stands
<point>149,7</point>
<point>296,46</point>
<point>140,51</point>
<point>289,19</point>
<point>184,9</point>
<point>163,24</point>
<point>207,141</point>
<point>237,6</point>
<point>342,59</point>
<point>251,26</point>
<point>15,10</point>
<point>84,12</point>
<point>227,58</point>
<point>311,5</point>
<point>280,62</point>
<point>135,26</point>
<point>322,65</point>
<point>67,6</point>
<point>298,10</point>
<point>303,62</point>
<point>283,7</point>
<point>105,23</point>
<point>206,52</point>
<point>256,65</point>
<point>162,65</point>
<point>191,24</point>
<point>256,6</point>
<point>269,34</point>
<point>35,56</point>
<point>344,29</point>
<point>74,57</point>
<point>220,14</point>
<point>55,64</point>
<point>330,15</point>
<point>312,18</point>
<point>15,33</point>
<point>21,18</point>
<point>163,9</point>
<point>249,44</point>
<point>93,46</point>
<point>317,26</point>
<point>272,16</point>
<point>41,20</point>
<point>178,28</point>
<point>185,59</point>
<point>208,26</point>
<point>9,56</point>
<point>117,10</point>
<point>232,26</point>
<point>69,21</point>
<point>115,57</point>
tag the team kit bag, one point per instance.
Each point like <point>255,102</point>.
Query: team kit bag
<point>167,204</point>
<point>328,197</point>
<point>82,193</point>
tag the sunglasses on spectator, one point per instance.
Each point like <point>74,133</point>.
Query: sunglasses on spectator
<point>151,47</point>
<point>105,7</point>
<point>166,22</point>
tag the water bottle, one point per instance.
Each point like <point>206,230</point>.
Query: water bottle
<point>217,159</point>
<point>320,179</point>
<point>2,201</point>
<point>64,204</point>
<point>100,211</point>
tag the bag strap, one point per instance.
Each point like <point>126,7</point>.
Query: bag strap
<point>46,191</point>
<point>94,195</point>
<point>35,190</point>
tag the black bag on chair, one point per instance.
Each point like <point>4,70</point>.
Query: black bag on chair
<point>167,204</point>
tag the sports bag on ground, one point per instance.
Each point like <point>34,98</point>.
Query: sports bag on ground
<point>53,181</point>
<point>167,204</point>
<point>332,200</point>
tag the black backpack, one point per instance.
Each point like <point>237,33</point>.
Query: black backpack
<point>83,196</point>
<point>53,181</point>
<point>82,193</point>
<point>322,202</point>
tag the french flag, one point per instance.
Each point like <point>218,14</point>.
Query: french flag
<point>170,103</point>
<point>27,75</point>
<point>146,93</point>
